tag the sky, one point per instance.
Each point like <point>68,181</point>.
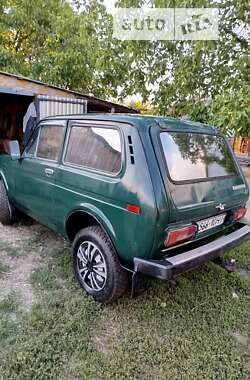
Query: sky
<point>110,5</point>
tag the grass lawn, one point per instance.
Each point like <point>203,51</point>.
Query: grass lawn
<point>197,330</point>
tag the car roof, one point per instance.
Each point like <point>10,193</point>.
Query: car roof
<point>142,122</point>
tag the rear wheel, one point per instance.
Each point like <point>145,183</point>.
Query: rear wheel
<point>96,265</point>
<point>7,211</point>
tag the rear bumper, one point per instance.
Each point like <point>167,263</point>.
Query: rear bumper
<point>165,269</point>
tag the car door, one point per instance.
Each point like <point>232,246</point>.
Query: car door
<point>91,170</point>
<point>35,179</point>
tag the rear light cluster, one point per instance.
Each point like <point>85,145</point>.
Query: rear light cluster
<point>180,235</point>
<point>184,234</point>
<point>239,213</point>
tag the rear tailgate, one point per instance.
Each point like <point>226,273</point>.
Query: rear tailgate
<point>201,200</point>
<point>201,176</point>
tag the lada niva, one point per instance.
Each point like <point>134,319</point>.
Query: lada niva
<point>134,194</point>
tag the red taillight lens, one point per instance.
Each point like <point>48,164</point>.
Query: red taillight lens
<point>133,208</point>
<point>180,235</point>
<point>239,213</point>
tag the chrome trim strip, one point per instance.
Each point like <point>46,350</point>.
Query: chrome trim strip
<point>200,204</point>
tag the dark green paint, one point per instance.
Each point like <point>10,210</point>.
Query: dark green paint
<point>51,200</point>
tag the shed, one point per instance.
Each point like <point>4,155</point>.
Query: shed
<point>18,92</point>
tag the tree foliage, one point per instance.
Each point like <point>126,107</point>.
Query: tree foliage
<point>208,80</point>
<point>49,40</point>
<point>71,44</point>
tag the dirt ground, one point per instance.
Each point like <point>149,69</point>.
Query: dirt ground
<point>21,247</point>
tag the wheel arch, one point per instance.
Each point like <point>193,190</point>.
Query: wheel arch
<point>85,216</point>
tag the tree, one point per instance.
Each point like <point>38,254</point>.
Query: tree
<point>193,76</point>
<point>51,41</point>
<point>230,111</point>
<point>73,46</point>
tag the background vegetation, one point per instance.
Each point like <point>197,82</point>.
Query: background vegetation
<point>71,44</point>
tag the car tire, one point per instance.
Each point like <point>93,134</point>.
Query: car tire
<point>96,265</point>
<point>7,211</point>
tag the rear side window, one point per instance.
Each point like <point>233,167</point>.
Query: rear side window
<point>50,142</point>
<point>194,156</point>
<point>95,148</point>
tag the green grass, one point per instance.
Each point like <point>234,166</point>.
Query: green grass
<point>12,251</point>
<point>187,332</point>
<point>9,326</point>
<point>242,254</point>
<point>39,236</point>
<point>8,304</point>
<point>53,272</point>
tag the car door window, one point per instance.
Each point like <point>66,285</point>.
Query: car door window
<point>50,142</point>
<point>95,148</point>
<point>30,149</point>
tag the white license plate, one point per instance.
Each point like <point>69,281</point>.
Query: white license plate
<point>206,224</point>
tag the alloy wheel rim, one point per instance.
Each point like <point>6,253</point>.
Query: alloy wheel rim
<point>91,266</point>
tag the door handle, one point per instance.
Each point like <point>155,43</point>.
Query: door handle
<point>49,172</point>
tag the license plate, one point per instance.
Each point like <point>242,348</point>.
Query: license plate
<point>206,224</point>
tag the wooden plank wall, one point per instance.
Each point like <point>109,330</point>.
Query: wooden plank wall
<point>35,88</point>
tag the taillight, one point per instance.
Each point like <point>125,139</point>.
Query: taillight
<point>180,235</point>
<point>239,213</point>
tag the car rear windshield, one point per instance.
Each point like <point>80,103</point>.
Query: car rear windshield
<point>196,156</point>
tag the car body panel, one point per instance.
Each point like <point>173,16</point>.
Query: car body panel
<point>106,198</point>
<point>34,189</point>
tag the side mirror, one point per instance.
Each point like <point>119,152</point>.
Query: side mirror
<point>15,150</point>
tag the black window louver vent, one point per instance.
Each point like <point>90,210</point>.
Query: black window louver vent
<point>131,150</point>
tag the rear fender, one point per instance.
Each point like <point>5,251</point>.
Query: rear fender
<point>98,215</point>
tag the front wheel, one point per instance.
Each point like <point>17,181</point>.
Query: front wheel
<point>7,211</point>
<point>96,265</point>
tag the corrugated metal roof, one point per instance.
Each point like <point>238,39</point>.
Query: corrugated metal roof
<point>90,98</point>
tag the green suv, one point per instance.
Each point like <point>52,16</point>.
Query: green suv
<point>134,194</point>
